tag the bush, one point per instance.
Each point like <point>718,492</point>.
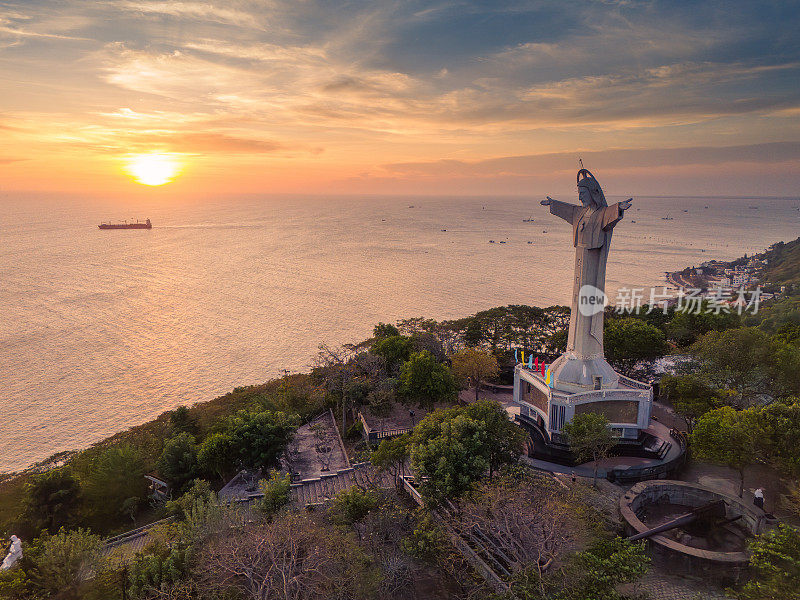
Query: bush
<point>596,572</point>
<point>57,565</point>
<point>113,477</point>
<point>52,500</point>
<point>151,574</point>
<point>259,438</point>
<point>215,457</point>
<point>426,381</point>
<point>775,559</point>
<point>427,542</point>
<point>199,493</point>
<point>182,421</point>
<point>277,492</point>
<point>351,506</point>
<point>178,462</point>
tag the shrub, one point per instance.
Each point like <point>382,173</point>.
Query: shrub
<point>277,493</point>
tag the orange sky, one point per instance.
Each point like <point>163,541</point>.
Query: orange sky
<point>384,97</point>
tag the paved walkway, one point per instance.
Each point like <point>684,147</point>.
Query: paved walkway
<point>659,586</point>
<point>726,481</point>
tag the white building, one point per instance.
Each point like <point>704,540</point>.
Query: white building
<point>626,403</point>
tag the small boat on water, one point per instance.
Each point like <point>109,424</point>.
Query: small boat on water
<point>125,225</point>
<point>667,218</point>
<point>530,220</point>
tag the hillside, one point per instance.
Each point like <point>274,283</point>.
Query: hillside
<point>783,263</point>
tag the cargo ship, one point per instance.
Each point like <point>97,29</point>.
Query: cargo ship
<point>126,225</point>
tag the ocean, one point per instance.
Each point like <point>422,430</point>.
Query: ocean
<point>103,330</point>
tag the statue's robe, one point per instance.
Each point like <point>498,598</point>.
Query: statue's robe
<point>592,227</point>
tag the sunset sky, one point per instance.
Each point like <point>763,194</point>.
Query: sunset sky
<point>303,96</point>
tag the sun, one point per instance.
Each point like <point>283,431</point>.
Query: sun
<point>153,169</point>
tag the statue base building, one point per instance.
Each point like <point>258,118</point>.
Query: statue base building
<point>547,404</point>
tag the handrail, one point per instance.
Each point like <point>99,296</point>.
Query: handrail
<point>134,533</point>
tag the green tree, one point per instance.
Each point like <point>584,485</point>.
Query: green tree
<point>691,396</point>
<point>152,574</point>
<point>395,349</point>
<point>779,435</point>
<point>628,341</point>
<point>215,456</point>
<point>259,438</point>
<point>729,437</point>
<point>277,493</point>
<point>183,421</point>
<point>426,381</point>
<point>506,438</point>
<point>114,476</point>
<point>589,439</point>
<point>198,496</point>
<point>475,365</point>
<point>14,584</point>
<point>449,453</point>
<point>597,571</point>
<point>783,366</point>
<point>351,506</point>
<point>52,500</point>
<point>58,564</point>
<point>385,330</point>
<point>775,560</point>
<point>737,359</point>
<point>686,327</point>
<point>178,461</point>
<point>392,454</point>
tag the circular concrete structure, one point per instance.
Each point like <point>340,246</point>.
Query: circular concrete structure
<point>718,554</point>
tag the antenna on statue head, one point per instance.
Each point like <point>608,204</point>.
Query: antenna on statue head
<point>580,160</point>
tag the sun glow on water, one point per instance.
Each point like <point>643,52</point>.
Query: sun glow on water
<point>153,169</point>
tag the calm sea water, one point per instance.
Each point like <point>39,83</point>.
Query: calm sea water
<point>102,330</point>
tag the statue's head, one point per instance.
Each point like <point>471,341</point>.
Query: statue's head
<point>589,191</point>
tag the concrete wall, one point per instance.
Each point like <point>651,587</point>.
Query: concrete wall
<point>723,566</point>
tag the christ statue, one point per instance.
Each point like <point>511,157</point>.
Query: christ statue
<point>592,225</point>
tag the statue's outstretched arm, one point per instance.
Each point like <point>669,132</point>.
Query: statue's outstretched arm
<point>613,214</point>
<point>561,209</point>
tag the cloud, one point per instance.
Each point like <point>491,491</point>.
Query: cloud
<point>11,27</point>
<point>214,142</point>
<point>203,11</point>
<point>636,158</point>
<point>403,84</point>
